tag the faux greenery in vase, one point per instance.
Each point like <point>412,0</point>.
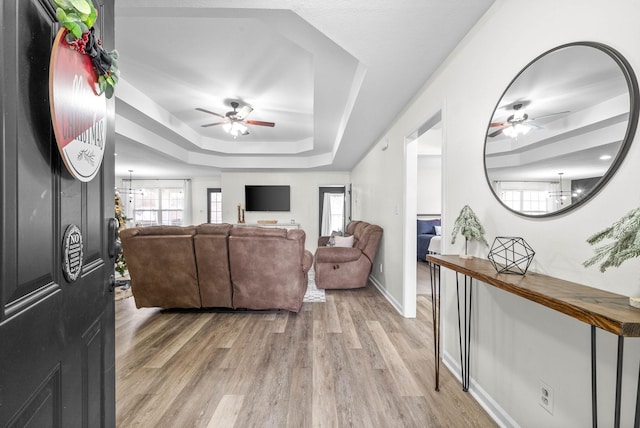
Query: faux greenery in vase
<point>625,234</point>
<point>468,225</point>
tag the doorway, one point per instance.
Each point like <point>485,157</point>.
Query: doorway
<point>423,198</point>
<point>332,210</point>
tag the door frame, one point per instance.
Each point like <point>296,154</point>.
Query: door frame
<point>409,283</point>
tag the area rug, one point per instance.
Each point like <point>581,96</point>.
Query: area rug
<point>313,294</point>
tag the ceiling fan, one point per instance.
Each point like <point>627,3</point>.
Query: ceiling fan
<point>518,123</point>
<point>234,121</point>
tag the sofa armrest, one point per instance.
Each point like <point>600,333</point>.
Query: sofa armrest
<point>307,261</point>
<point>337,254</point>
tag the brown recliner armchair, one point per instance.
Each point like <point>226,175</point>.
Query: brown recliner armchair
<point>348,267</point>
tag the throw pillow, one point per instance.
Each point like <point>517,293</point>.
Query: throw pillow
<point>343,241</point>
<point>438,230</point>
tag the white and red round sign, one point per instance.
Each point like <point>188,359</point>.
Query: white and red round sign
<point>79,114</point>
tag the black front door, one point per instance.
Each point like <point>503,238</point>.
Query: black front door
<point>56,335</point>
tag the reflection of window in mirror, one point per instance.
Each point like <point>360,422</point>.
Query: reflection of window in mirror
<point>526,197</point>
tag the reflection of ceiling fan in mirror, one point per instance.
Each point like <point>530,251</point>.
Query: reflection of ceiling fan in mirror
<point>235,121</point>
<point>519,123</point>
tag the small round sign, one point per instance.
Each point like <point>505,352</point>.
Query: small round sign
<point>72,253</point>
<point>78,113</point>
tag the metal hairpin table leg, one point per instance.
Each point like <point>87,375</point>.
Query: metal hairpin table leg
<point>464,350</point>
<point>434,270</point>
<point>594,389</point>
<point>594,386</point>
<point>616,422</point>
<point>636,423</point>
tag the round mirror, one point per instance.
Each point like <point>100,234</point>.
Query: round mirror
<point>561,129</point>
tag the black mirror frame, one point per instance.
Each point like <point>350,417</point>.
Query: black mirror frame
<point>634,100</point>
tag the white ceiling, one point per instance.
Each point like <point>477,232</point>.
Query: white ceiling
<point>331,74</point>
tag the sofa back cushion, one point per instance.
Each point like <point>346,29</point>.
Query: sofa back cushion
<point>213,229</point>
<point>258,231</point>
<point>166,230</point>
<point>266,268</point>
<point>369,240</point>
<point>351,227</point>
<point>162,268</point>
<point>212,257</point>
<point>366,237</point>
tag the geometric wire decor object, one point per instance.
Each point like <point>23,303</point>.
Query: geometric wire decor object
<point>511,255</point>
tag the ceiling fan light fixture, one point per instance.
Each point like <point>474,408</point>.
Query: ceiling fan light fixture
<point>515,130</point>
<point>244,111</point>
<point>235,129</point>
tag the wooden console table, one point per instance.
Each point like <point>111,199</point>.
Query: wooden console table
<point>608,311</point>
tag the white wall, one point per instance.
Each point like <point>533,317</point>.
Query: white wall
<point>304,197</point>
<point>429,184</point>
<point>516,343</point>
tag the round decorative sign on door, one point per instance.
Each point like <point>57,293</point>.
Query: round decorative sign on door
<point>72,253</point>
<point>77,110</point>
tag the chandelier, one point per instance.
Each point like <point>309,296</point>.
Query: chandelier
<point>129,192</point>
<point>562,195</point>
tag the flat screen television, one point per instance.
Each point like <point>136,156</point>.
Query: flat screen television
<point>267,198</point>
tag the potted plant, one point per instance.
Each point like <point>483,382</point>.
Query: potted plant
<point>468,225</point>
<point>626,242</point>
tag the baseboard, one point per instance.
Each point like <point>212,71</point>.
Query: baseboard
<point>396,305</point>
<point>494,410</point>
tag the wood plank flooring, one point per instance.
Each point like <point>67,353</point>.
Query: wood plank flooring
<point>350,362</point>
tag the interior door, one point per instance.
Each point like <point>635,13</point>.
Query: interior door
<point>56,335</point>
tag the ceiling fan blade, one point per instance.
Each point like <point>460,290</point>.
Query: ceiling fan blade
<point>212,124</point>
<point>258,122</point>
<point>492,124</point>
<point>210,112</point>
<point>244,112</point>
<point>496,133</point>
<point>544,116</point>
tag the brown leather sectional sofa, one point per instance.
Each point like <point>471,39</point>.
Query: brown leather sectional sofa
<point>217,265</point>
<point>347,267</point>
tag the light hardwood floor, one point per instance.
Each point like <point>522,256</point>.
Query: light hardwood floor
<point>350,362</point>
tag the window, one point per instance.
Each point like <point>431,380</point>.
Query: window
<point>332,215</point>
<point>528,197</point>
<point>158,206</point>
<point>157,202</point>
<point>526,201</point>
<point>214,205</point>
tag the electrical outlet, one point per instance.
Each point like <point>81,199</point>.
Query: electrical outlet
<point>546,397</point>
<point>380,267</point>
